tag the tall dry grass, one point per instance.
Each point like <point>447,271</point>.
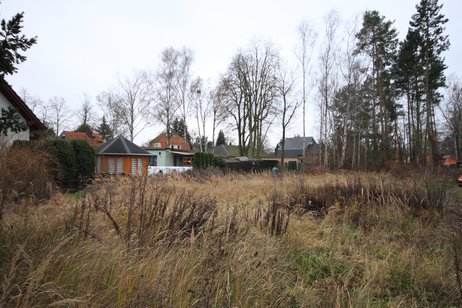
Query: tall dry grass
<point>355,239</point>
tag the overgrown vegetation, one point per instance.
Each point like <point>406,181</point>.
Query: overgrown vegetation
<point>357,239</point>
<point>23,175</point>
<point>72,162</point>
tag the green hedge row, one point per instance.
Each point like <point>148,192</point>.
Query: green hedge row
<point>204,160</point>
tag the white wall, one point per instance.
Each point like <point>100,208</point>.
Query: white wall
<point>11,137</point>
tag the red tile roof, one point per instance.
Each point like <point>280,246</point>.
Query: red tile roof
<point>94,139</point>
<point>174,140</point>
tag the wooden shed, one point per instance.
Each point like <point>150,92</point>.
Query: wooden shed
<point>121,156</point>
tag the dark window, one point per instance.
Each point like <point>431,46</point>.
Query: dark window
<point>153,160</point>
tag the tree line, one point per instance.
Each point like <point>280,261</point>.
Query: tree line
<point>377,97</point>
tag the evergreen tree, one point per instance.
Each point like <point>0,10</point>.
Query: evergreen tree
<point>12,42</point>
<point>407,72</point>
<point>105,130</point>
<point>378,39</point>
<point>180,128</point>
<point>84,128</point>
<point>10,120</point>
<point>429,23</point>
<point>221,138</point>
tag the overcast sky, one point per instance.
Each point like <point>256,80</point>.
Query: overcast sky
<point>83,46</point>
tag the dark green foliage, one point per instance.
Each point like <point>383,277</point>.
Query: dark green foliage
<point>378,40</point>
<point>62,161</point>
<point>204,160</point>
<point>429,23</point>
<point>12,42</point>
<point>72,162</point>
<point>84,159</point>
<point>180,128</point>
<point>84,128</point>
<point>105,130</point>
<point>221,138</point>
<point>10,120</point>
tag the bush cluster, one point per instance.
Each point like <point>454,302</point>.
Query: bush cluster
<point>72,162</point>
<point>207,160</point>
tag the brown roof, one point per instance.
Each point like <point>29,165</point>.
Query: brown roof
<point>32,121</point>
<point>174,140</point>
<point>94,139</point>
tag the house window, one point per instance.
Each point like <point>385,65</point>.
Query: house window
<point>153,160</point>
<point>133,166</point>
<point>140,166</point>
<point>120,165</point>
<point>111,166</point>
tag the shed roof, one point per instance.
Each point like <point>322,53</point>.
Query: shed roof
<point>121,146</point>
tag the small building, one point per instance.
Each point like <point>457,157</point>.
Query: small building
<point>176,143</point>
<point>121,156</point>
<point>175,154</point>
<point>293,151</point>
<point>9,99</point>
<point>93,138</point>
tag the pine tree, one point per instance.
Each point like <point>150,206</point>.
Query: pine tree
<point>12,42</point>
<point>105,130</point>
<point>378,39</point>
<point>221,138</point>
<point>429,23</point>
<point>180,128</point>
<point>10,120</point>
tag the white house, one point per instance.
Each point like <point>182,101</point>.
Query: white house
<point>9,98</point>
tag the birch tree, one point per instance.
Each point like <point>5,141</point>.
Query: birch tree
<point>133,103</point>
<point>304,52</point>
<point>288,105</point>
<point>166,90</point>
<point>327,82</point>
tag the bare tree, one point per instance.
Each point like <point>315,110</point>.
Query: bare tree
<point>452,113</point>
<point>107,102</point>
<point>133,103</point>
<point>307,37</point>
<point>58,114</point>
<point>347,105</point>
<point>166,89</point>
<point>327,80</point>
<point>201,109</point>
<point>216,98</point>
<point>33,102</point>
<point>183,77</point>
<point>85,111</point>
<point>285,87</point>
<point>249,87</point>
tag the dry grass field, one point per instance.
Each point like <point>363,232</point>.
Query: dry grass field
<point>208,240</point>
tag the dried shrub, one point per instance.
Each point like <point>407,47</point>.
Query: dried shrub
<point>23,174</point>
<point>274,218</point>
<point>144,212</point>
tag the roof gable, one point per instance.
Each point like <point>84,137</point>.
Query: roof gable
<point>121,146</point>
<point>174,140</point>
<point>32,121</point>
<point>296,143</point>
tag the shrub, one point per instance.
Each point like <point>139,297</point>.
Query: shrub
<point>207,160</point>
<point>72,161</point>
<point>84,159</point>
<point>62,161</point>
<point>23,173</point>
